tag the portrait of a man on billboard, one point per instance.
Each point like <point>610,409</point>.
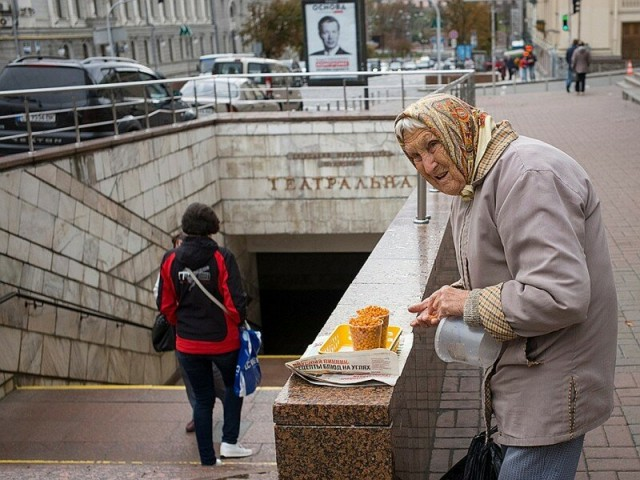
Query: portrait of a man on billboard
<point>332,36</point>
<point>329,32</point>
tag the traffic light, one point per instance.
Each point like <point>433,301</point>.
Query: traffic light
<point>576,6</point>
<point>565,23</point>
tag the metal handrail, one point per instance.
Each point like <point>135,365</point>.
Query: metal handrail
<point>392,90</point>
<point>346,97</point>
<point>68,306</point>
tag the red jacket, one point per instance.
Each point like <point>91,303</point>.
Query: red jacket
<point>201,325</point>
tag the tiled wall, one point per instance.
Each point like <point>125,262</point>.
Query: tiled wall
<point>85,232</point>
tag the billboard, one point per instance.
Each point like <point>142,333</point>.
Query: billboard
<point>334,40</point>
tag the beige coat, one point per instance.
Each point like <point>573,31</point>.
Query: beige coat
<point>581,60</point>
<point>535,226</point>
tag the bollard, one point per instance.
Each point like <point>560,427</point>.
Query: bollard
<point>422,217</point>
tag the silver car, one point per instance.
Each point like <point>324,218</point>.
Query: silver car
<point>211,94</point>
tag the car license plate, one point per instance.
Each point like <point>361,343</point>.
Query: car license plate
<point>38,118</point>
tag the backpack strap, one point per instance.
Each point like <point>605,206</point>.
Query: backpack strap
<point>205,291</point>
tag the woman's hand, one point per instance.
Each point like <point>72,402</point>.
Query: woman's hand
<point>445,302</point>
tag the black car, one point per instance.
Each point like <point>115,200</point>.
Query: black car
<point>58,117</point>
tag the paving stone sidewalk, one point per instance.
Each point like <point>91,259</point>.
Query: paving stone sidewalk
<point>602,131</point>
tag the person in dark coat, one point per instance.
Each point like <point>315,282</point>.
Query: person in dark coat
<point>206,334</point>
<point>568,56</point>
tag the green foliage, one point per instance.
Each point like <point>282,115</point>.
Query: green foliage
<point>276,25</point>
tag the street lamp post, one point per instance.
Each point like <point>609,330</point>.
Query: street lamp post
<point>493,40</point>
<point>434,3</point>
<point>109,36</point>
<point>493,46</point>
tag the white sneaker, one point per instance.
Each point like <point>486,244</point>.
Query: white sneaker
<point>236,450</point>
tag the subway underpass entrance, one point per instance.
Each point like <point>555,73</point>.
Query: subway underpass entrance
<point>298,293</point>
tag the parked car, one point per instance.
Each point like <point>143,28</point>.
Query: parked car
<point>374,65</point>
<point>279,87</point>
<point>294,66</point>
<point>409,65</point>
<point>211,94</point>
<point>62,117</point>
<point>425,62</point>
<point>395,66</point>
<point>205,62</point>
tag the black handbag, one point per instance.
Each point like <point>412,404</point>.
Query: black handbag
<point>482,461</point>
<point>162,335</point>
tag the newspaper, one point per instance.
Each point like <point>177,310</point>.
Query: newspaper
<point>349,368</point>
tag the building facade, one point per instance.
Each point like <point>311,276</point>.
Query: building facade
<point>168,35</point>
<point>610,27</point>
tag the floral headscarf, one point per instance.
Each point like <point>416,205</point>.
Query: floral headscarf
<point>469,135</point>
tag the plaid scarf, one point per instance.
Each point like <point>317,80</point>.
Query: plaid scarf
<point>469,135</point>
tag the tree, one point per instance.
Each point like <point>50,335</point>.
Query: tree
<point>396,25</point>
<point>467,17</point>
<point>276,25</point>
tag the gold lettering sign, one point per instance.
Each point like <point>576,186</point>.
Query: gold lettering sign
<point>339,183</point>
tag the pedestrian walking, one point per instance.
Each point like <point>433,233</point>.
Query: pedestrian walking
<point>218,382</point>
<point>524,67</point>
<point>531,65</point>
<point>206,334</point>
<point>568,57</point>
<point>580,62</point>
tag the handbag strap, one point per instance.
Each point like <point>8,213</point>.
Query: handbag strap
<point>205,291</point>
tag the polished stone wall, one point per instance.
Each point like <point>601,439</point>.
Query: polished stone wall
<point>376,432</point>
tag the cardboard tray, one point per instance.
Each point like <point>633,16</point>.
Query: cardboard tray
<point>340,339</point>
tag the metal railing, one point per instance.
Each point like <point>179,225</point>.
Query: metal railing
<point>381,92</point>
<point>82,113</point>
<point>36,300</point>
<point>88,112</point>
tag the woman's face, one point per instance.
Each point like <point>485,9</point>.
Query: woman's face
<point>431,160</point>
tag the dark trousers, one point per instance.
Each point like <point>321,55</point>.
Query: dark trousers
<point>550,462</point>
<point>199,370</point>
<point>581,80</point>
<point>569,80</point>
<point>218,384</point>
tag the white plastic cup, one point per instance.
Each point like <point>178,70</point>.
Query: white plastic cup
<point>456,341</point>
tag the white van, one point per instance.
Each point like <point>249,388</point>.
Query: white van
<point>283,88</point>
<point>205,63</point>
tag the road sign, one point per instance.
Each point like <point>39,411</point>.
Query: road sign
<point>453,34</point>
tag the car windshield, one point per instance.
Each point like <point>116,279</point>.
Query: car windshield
<point>25,77</point>
<point>227,68</point>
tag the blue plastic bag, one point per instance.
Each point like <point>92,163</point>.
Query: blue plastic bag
<point>248,373</point>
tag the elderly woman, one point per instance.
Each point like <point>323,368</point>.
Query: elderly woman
<point>535,273</point>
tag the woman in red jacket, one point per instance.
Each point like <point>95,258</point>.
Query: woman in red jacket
<point>205,334</point>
